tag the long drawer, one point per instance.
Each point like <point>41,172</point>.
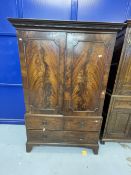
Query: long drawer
<point>62,136</point>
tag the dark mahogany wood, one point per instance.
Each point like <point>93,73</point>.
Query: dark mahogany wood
<point>65,66</point>
<point>63,136</point>
<point>49,122</point>
<point>118,124</point>
<point>71,25</point>
<point>82,123</point>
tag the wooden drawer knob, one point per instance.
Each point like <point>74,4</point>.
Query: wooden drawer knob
<point>81,139</point>
<point>44,129</point>
<point>82,124</point>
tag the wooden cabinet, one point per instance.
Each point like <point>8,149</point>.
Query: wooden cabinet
<point>118,124</point>
<point>65,66</point>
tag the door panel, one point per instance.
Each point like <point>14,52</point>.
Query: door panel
<point>123,81</point>
<point>119,125</point>
<point>44,57</point>
<point>86,71</point>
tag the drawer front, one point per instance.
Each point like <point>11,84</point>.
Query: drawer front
<point>82,124</point>
<point>75,137</point>
<point>81,137</point>
<point>45,137</point>
<point>44,122</point>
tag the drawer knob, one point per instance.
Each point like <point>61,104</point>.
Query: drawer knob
<point>44,122</point>
<point>43,129</point>
<point>82,124</point>
<point>96,121</point>
<point>81,139</point>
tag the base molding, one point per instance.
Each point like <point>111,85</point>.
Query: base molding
<point>94,147</point>
<point>12,121</point>
<point>115,140</point>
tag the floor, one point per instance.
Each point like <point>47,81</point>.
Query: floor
<point>113,158</point>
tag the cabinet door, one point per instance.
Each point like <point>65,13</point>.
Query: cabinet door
<point>86,72</point>
<point>42,70</point>
<point>119,125</point>
<point>123,80</point>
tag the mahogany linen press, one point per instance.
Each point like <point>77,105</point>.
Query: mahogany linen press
<point>65,66</point>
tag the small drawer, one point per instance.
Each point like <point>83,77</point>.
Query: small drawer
<point>81,137</point>
<point>47,122</point>
<point>82,123</point>
<point>44,137</point>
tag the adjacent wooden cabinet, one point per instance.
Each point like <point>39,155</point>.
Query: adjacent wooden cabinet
<point>65,66</point>
<point>118,124</point>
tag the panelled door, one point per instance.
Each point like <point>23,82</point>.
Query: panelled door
<point>87,65</point>
<point>123,80</point>
<point>43,70</point>
<point>119,125</point>
<point>65,72</point>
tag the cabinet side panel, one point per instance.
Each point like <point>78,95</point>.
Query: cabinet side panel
<point>23,69</point>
